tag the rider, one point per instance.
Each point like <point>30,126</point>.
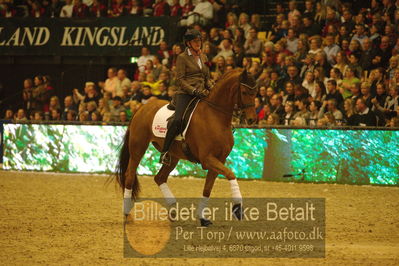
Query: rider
<point>192,80</point>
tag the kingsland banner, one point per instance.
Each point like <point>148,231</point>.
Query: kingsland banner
<point>122,36</point>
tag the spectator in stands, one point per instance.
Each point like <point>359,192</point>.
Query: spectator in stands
<point>243,22</point>
<point>365,116</point>
<point>7,10</point>
<point>146,94</point>
<point>309,83</point>
<point>112,81</point>
<point>302,113</point>
<point>253,46</point>
<point>161,8</point>
<point>342,62</point>
<point>333,93</point>
<point>54,104</point>
<point>349,111</point>
<point>314,112</point>
<point>349,79</point>
<point>331,49</point>
<point>38,116</point>
<point>97,9</point>
<point>67,9</point>
<point>135,8</point>
<point>383,53</point>
<point>231,22</point>
<point>71,115</point>
<point>80,10</point>
<point>319,91</point>
<point>9,115</point>
<point>288,93</point>
<point>95,116</point>
<point>116,108</point>
<point>332,107</point>
<point>21,115</point>
<point>259,109</point>
<point>292,41</point>
<point>310,28</point>
<point>292,75</point>
<point>276,106</point>
<point>163,88</point>
<point>103,105</point>
<point>132,108</point>
<point>187,7</point>
<point>391,104</point>
<point>145,56</point>
<point>289,113</point>
<point>37,10</point>
<point>309,9</point>
<point>293,11</point>
<point>68,105</point>
<point>54,9</point>
<point>55,115</point>
<point>91,108</point>
<point>83,116</point>
<point>315,45</point>
<point>360,34</point>
<point>226,50</point>
<point>214,37</point>
<point>123,117</point>
<point>164,53</point>
<point>122,83</point>
<point>38,93</point>
<point>117,9</point>
<point>205,11</point>
<point>176,9</point>
<point>354,64</point>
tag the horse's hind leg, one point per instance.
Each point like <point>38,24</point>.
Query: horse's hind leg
<point>137,151</point>
<point>216,165</point>
<point>162,177</point>
<point>203,203</point>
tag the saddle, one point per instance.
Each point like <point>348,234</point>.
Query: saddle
<point>162,121</point>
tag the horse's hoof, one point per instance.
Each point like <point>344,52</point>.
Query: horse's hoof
<point>205,222</point>
<point>172,215</point>
<point>237,211</point>
<point>127,206</point>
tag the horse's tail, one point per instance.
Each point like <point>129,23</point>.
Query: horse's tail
<point>122,165</point>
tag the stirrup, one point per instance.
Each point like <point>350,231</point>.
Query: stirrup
<point>165,159</point>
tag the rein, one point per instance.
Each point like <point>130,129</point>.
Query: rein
<point>241,106</point>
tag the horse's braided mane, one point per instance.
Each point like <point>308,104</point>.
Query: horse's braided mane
<point>228,74</point>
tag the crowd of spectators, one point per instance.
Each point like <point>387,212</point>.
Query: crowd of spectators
<point>322,64</point>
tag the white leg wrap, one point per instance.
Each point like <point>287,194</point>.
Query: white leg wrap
<point>167,194</point>
<point>203,203</point>
<point>127,194</point>
<point>235,191</point>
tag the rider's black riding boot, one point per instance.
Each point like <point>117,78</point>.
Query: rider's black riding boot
<point>170,136</point>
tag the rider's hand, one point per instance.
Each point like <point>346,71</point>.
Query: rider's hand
<point>200,93</point>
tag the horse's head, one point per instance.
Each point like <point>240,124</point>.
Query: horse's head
<point>246,97</point>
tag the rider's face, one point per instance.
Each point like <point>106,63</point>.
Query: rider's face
<point>196,44</point>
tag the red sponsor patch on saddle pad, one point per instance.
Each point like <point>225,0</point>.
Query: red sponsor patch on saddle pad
<point>160,123</point>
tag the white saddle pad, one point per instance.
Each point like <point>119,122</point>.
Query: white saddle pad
<point>159,124</point>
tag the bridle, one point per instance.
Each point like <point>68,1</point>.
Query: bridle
<point>241,106</point>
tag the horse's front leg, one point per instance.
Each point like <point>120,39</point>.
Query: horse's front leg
<point>217,166</point>
<point>162,177</point>
<point>203,203</point>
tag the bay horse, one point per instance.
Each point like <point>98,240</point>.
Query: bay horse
<point>209,137</point>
